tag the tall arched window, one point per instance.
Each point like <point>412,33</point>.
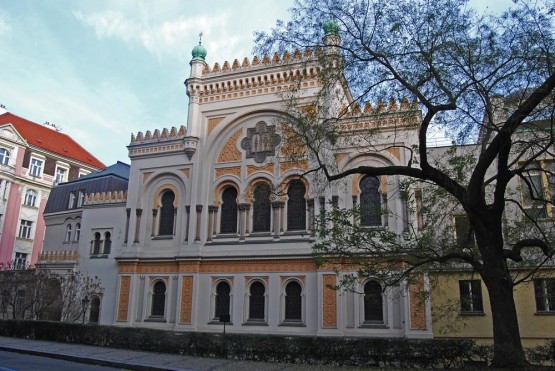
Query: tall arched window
<point>293,301</point>
<point>96,244</point>
<point>223,291</point>
<point>167,213</point>
<point>68,233</point>
<point>373,302</point>
<point>77,234</point>
<point>370,202</point>
<point>257,301</point>
<point>296,206</point>
<point>94,313</point>
<point>107,242</point>
<point>158,299</point>
<point>228,221</point>
<point>261,208</point>
<point>4,156</point>
<point>30,197</point>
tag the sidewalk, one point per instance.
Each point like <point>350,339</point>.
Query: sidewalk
<point>138,360</point>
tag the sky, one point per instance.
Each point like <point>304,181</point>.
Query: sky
<point>103,69</point>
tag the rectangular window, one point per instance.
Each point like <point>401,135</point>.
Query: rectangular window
<point>36,167</point>
<point>30,198</point>
<point>533,193</point>
<point>20,261</point>
<point>25,228</point>
<point>60,175</point>
<point>471,296</point>
<point>81,198</point>
<point>71,202</point>
<point>544,290</point>
<point>464,234</point>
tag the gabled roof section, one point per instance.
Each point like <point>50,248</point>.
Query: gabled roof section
<point>50,140</point>
<point>119,170</point>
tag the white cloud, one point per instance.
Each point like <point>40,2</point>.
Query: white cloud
<point>5,26</point>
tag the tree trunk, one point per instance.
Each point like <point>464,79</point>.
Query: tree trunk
<point>508,352</point>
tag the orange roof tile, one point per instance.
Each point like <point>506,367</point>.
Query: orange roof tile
<point>50,140</point>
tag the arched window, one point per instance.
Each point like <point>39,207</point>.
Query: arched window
<point>4,156</point>
<point>68,233</point>
<point>167,214</point>
<point>94,313</point>
<point>96,244</point>
<point>223,299</point>
<point>228,221</point>
<point>370,202</point>
<point>30,197</point>
<point>77,234</point>
<point>296,206</point>
<point>261,208</point>
<point>107,242</point>
<point>257,301</point>
<point>158,299</point>
<point>293,301</point>
<point>373,302</point>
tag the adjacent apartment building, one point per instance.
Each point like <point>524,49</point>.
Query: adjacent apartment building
<point>33,158</point>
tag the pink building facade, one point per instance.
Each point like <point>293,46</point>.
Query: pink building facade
<point>33,158</point>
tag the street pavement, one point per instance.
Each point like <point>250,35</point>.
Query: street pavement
<point>139,360</point>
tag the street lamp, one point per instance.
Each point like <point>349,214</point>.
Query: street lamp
<point>85,304</point>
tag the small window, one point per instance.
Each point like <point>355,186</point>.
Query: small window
<point>4,156</point>
<point>167,214</point>
<point>107,243</point>
<point>261,208</point>
<point>68,233</point>
<point>71,202</point>
<point>158,299</point>
<point>36,167</point>
<point>60,175</point>
<point>228,219</point>
<point>20,260</point>
<point>223,299</point>
<point>373,302</point>
<point>293,301</point>
<point>370,202</point>
<point>80,198</point>
<point>544,290</point>
<point>296,206</point>
<point>96,242</point>
<point>257,301</point>
<point>30,198</point>
<point>533,198</point>
<point>25,228</point>
<point>464,235</point>
<point>77,234</point>
<point>471,296</point>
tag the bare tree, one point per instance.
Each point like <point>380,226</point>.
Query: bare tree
<point>484,79</point>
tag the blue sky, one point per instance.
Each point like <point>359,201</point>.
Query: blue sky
<point>104,69</point>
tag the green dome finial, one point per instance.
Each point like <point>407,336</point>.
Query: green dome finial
<point>199,51</point>
<point>330,27</point>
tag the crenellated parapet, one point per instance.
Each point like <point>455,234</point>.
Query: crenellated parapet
<point>159,136</point>
<point>402,113</point>
<point>257,76</point>
<point>105,198</point>
<point>58,256</point>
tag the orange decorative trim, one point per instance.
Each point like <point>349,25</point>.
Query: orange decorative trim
<point>58,256</point>
<point>289,179</point>
<point>213,122</point>
<point>288,278</point>
<point>252,184</point>
<point>185,172</point>
<point>229,151</point>
<point>285,166</point>
<point>220,187</point>
<point>123,302</point>
<point>269,168</point>
<point>329,301</point>
<point>417,304</point>
<point>228,279</point>
<point>186,300</point>
<point>236,170</point>
<point>356,182</point>
<point>159,192</point>
<point>146,175</point>
<point>339,157</point>
<point>256,278</point>
<point>396,152</point>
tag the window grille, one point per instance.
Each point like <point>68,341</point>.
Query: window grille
<point>158,299</point>
<point>373,302</point>
<point>370,202</point>
<point>544,290</point>
<point>296,206</point>
<point>261,208</point>
<point>167,214</point>
<point>257,301</point>
<point>228,222</point>
<point>293,301</point>
<point>222,299</point>
<point>471,296</point>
